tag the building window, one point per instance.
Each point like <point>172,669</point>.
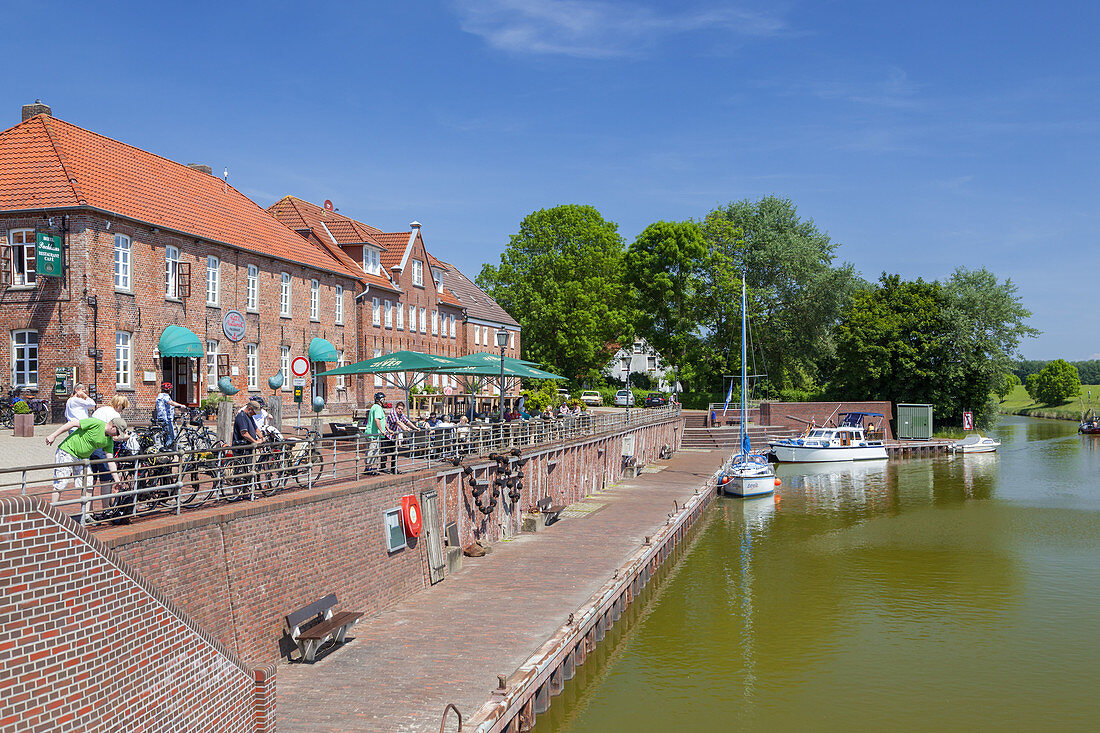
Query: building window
<point>252,288</point>
<point>212,277</point>
<point>437,275</point>
<point>24,358</point>
<point>22,257</point>
<point>653,363</point>
<point>123,360</point>
<point>412,318</point>
<point>253,367</point>
<point>435,323</point>
<point>511,339</point>
<point>284,366</point>
<point>339,308</point>
<point>314,300</point>
<point>418,272</point>
<point>639,347</point>
<point>372,260</point>
<point>212,365</point>
<point>423,321</point>
<point>284,295</point>
<point>375,312</point>
<point>452,325</point>
<point>400,316</point>
<point>171,272</point>
<point>122,262</point>
<point>340,383</point>
<point>377,377</point>
<point>477,335</point>
<point>389,314</point>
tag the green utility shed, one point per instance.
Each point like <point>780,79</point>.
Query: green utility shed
<point>914,422</point>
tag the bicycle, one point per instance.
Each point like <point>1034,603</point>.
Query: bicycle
<point>307,463</point>
<point>39,407</point>
<point>197,442</point>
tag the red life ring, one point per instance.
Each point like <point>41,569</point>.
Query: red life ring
<point>410,515</point>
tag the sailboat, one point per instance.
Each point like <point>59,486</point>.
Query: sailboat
<point>746,473</point>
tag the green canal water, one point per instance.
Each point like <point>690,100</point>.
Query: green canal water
<point>922,594</point>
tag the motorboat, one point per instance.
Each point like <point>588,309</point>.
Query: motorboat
<point>746,474</point>
<point>975,443</point>
<point>1090,424</point>
<point>845,442</point>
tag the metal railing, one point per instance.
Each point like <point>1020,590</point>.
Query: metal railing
<point>127,487</point>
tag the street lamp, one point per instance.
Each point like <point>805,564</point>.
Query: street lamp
<point>502,342</point>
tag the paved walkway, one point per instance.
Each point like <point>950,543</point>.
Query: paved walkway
<point>449,642</point>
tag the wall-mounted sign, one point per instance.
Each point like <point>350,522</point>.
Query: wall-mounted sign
<point>48,255</point>
<point>233,325</point>
<point>395,530</point>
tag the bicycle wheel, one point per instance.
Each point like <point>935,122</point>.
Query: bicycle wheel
<point>41,414</point>
<point>302,466</point>
<point>7,416</point>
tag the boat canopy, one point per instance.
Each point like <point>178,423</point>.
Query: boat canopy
<point>855,419</point>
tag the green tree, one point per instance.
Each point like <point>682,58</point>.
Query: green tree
<point>561,277</point>
<point>1058,382</point>
<point>795,291</point>
<point>664,265</point>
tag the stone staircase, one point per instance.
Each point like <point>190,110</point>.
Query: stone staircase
<point>725,438</point>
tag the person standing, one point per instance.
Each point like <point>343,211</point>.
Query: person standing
<point>376,433</point>
<point>165,412</point>
<point>108,412</point>
<point>79,406</point>
<point>88,435</point>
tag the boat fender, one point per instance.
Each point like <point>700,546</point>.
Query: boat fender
<point>778,482</point>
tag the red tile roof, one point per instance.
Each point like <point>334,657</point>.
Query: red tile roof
<point>324,226</point>
<point>395,244</point>
<point>476,301</point>
<point>48,163</point>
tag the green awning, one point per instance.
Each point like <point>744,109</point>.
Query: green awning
<point>177,341</point>
<point>322,350</point>
<point>398,361</point>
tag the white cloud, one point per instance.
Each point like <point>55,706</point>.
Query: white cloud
<point>592,29</point>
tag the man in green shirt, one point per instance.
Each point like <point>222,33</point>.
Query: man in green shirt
<point>376,434</point>
<point>88,435</point>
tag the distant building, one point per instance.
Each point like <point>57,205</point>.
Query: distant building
<point>640,358</point>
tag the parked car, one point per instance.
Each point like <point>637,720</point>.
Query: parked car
<point>655,399</point>
<point>564,394</point>
<point>624,398</point>
<point>591,398</point>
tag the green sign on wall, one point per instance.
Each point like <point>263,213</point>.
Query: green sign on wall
<point>48,255</point>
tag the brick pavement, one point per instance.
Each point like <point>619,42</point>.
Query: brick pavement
<point>448,642</point>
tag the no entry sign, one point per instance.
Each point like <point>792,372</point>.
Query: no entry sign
<point>300,366</point>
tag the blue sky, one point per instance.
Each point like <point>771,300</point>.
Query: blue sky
<point>921,136</point>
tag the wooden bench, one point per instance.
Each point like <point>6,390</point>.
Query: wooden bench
<point>359,417</point>
<point>312,626</point>
<point>550,511</point>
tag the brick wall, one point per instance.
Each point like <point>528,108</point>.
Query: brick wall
<point>89,645</point>
<point>779,413</point>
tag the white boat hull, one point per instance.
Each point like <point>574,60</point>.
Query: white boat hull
<point>981,448</point>
<point>748,486</point>
<point>790,453</point>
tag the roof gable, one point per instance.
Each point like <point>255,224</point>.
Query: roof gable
<point>476,301</point>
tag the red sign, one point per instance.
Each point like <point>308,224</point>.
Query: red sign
<point>968,421</point>
<point>300,366</point>
<point>448,391</point>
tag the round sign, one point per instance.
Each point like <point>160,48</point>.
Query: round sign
<point>233,325</point>
<point>448,391</point>
<point>300,366</point>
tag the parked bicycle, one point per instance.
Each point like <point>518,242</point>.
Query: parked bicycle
<point>40,408</point>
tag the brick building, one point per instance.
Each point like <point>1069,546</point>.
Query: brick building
<point>147,244</point>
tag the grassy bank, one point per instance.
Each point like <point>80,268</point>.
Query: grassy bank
<point>1019,403</point>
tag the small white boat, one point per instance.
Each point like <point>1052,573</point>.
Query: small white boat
<point>845,442</point>
<point>975,443</point>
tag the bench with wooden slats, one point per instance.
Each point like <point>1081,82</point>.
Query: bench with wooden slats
<point>310,627</point>
<point>549,510</point>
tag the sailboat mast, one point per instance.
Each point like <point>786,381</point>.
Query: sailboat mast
<point>744,372</point>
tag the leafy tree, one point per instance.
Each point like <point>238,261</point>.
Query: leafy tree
<point>1089,371</point>
<point>664,265</point>
<point>561,277</point>
<point>796,293</point>
<point>1008,382</point>
<point>1058,382</point>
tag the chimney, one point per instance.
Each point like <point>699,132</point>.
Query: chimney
<point>201,168</point>
<point>30,110</point>
<point>414,225</point>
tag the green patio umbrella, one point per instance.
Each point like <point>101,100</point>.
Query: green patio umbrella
<point>397,367</point>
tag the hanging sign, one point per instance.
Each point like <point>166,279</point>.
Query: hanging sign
<point>299,367</point>
<point>233,325</point>
<point>298,394</point>
<point>968,420</point>
<point>448,391</point>
<point>47,260</point>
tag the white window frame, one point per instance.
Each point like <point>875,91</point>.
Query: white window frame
<point>423,320</point>
<point>511,339</point>
<point>435,323</point>
<point>124,360</point>
<point>27,277</point>
<point>284,294</point>
<point>21,377</point>
<point>213,279</point>
<point>314,300</point>
<point>375,312</point>
<point>338,308</point>
<point>477,335</point>
<point>171,272</point>
<point>123,263</point>
<point>252,362</point>
<point>372,260</point>
<point>418,273</point>
<point>211,365</point>
<point>252,289</point>
<point>389,314</point>
<point>340,383</point>
<point>412,318</point>
<point>400,316</point>
<point>284,366</point>
<point>377,377</point>
<point>453,319</point>
<point>437,276</point>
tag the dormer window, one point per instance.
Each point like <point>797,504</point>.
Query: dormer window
<point>437,274</point>
<point>372,260</point>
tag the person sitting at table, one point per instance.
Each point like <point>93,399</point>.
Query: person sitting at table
<point>432,420</point>
<point>563,411</point>
<point>577,409</point>
<point>548,413</point>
